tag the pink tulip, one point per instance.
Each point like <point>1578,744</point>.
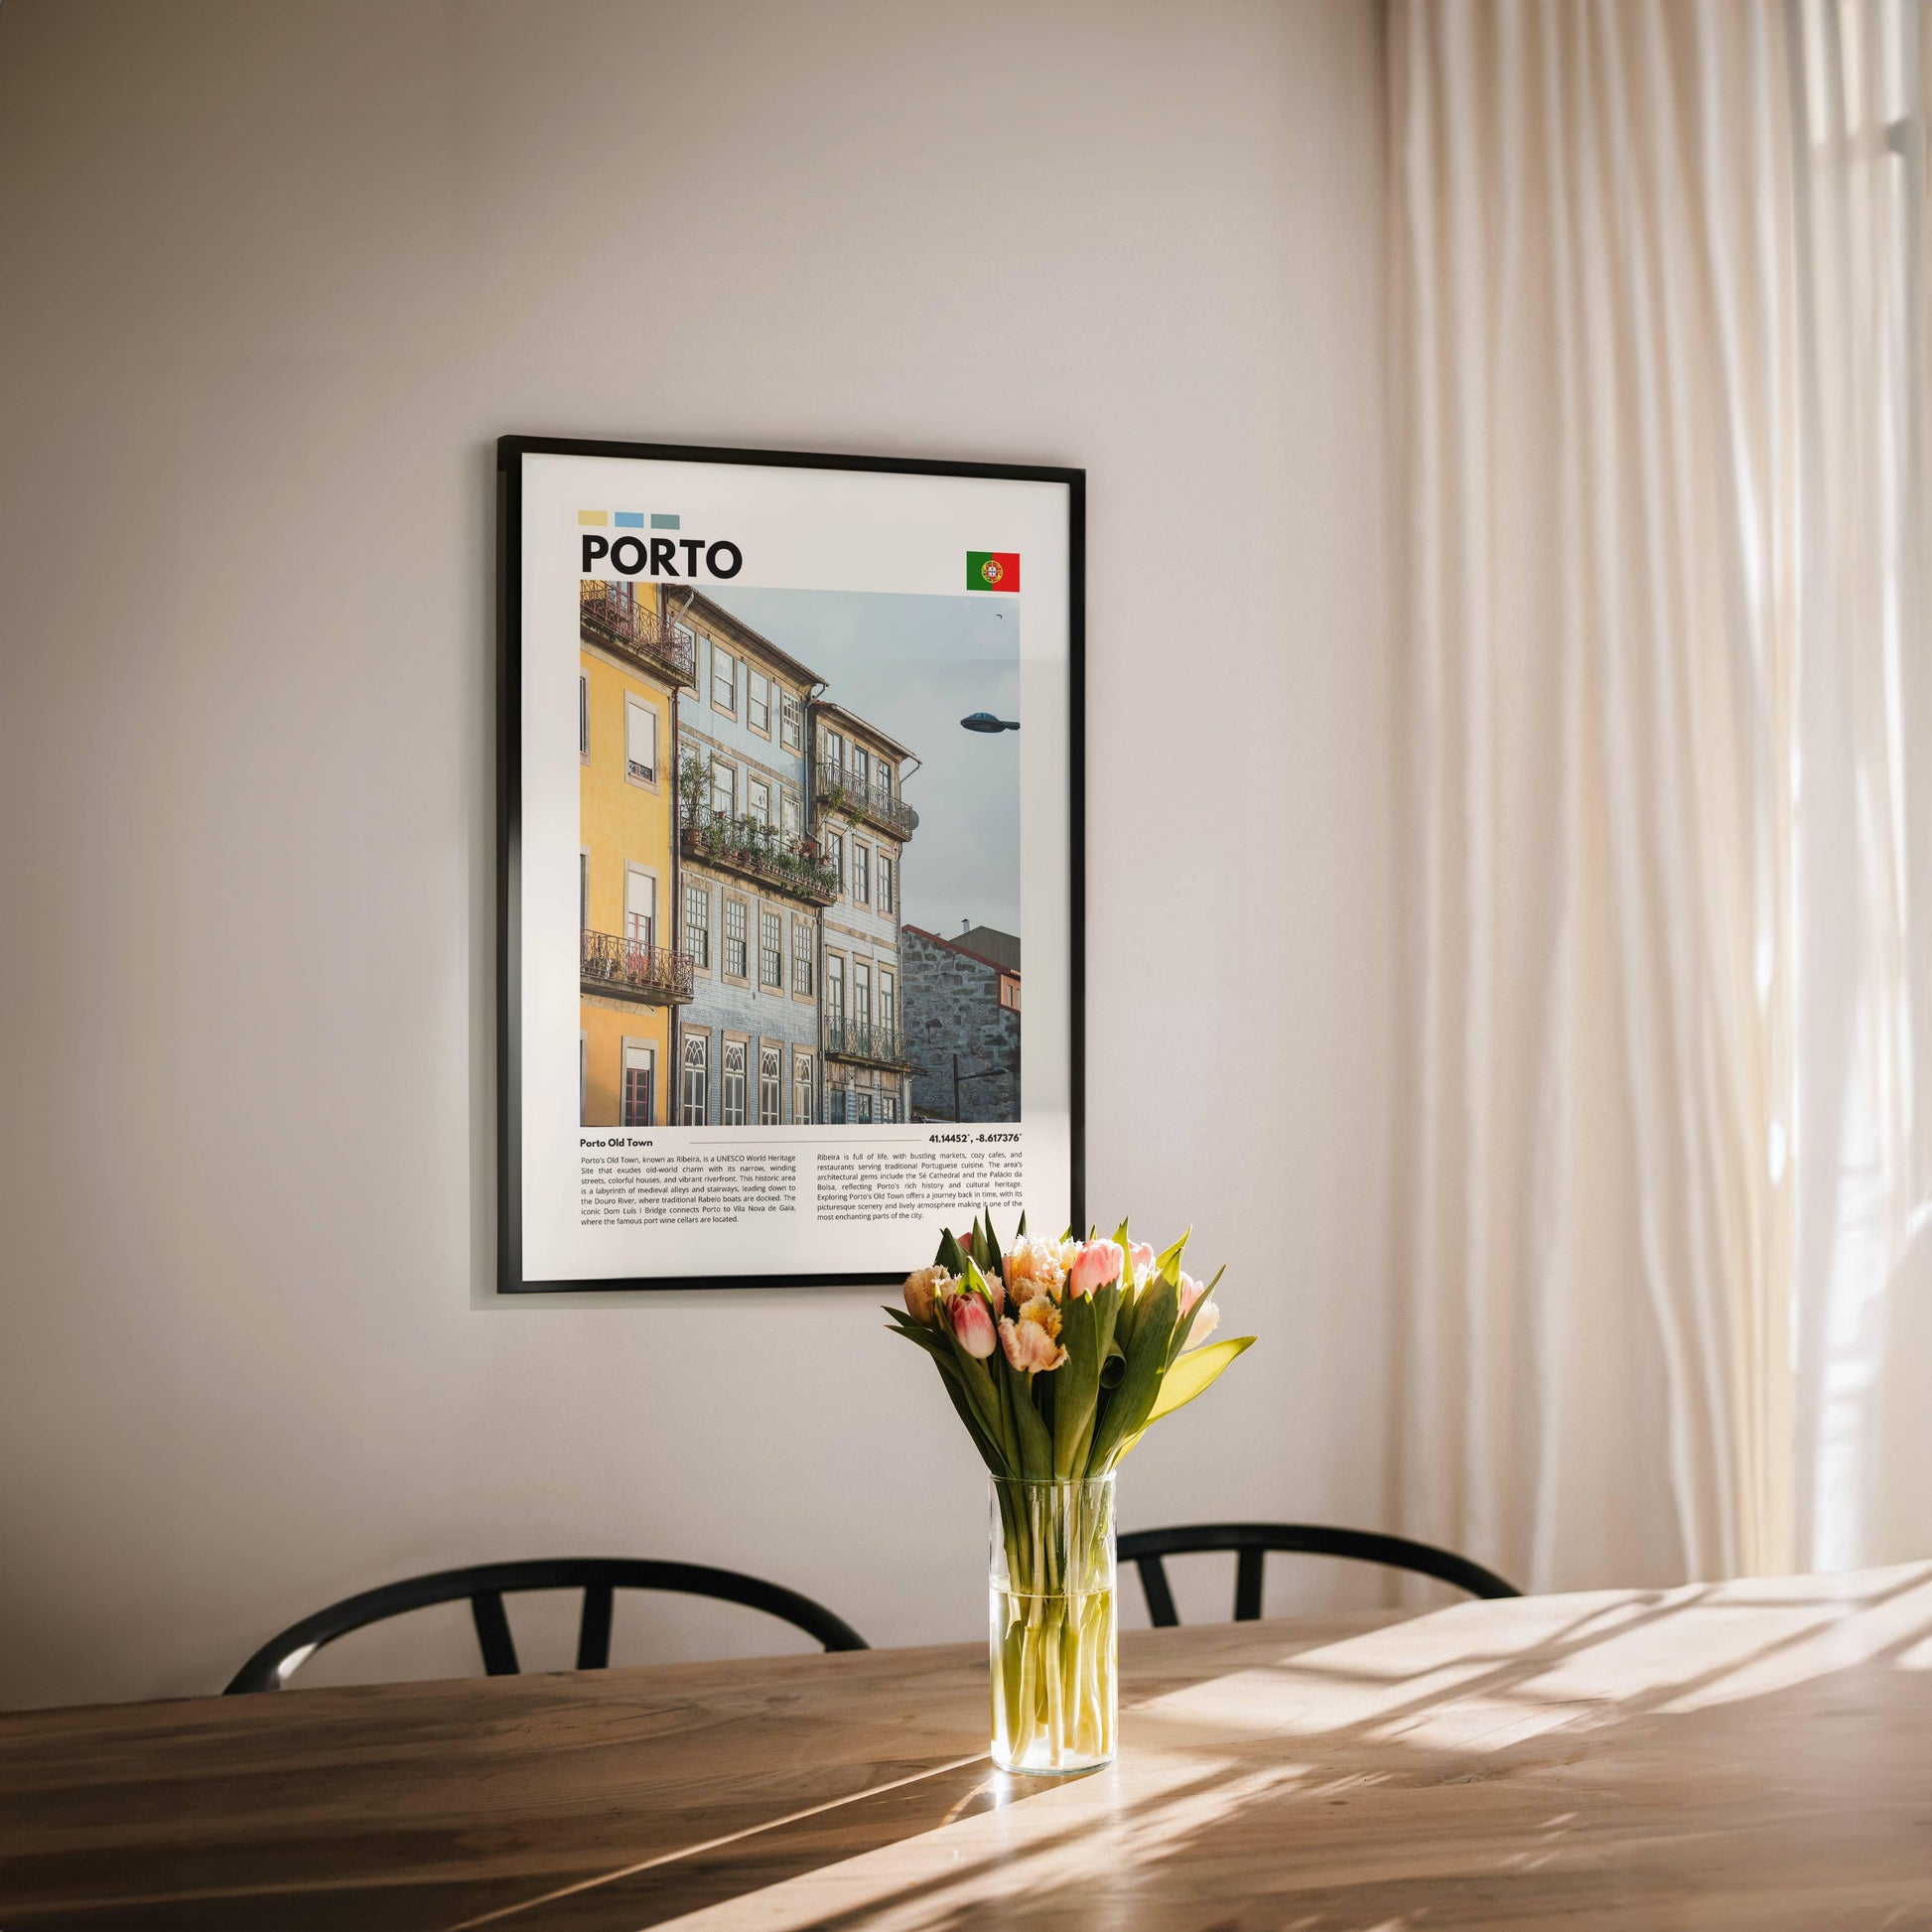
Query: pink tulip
<point>1029,1348</point>
<point>1205,1322</point>
<point>1097,1264</point>
<point>1139,1255</point>
<point>972,1325</point>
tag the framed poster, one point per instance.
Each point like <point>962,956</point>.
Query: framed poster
<point>791,883</point>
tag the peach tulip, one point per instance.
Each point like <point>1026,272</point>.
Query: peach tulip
<point>1097,1264</point>
<point>924,1286</point>
<point>1029,1347</point>
<point>1033,1267</point>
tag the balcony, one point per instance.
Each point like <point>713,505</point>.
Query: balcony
<point>759,853</point>
<point>627,969</point>
<point>839,791</point>
<point>608,616</point>
<point>862,1040</point>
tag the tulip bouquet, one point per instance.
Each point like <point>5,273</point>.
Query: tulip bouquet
<point>1058,1356</point>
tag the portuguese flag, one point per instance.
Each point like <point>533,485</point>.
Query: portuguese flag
<point>993,570</point>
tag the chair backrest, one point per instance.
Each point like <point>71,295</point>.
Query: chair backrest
<point>485,1585</point>
<point>1144,1549</point>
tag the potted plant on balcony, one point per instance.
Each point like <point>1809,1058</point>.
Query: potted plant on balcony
<point>693,786</point>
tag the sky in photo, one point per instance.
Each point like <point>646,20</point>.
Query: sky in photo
<point>914,667</point>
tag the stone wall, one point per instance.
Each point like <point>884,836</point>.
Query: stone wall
<point>952,1006</point>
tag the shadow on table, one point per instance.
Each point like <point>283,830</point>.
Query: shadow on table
<point>1404,1782</point>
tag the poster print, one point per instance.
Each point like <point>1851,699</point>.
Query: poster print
<point>790,861</point>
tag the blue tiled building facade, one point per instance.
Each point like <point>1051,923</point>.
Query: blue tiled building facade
<point>862,823</point>
<point>751,888</point>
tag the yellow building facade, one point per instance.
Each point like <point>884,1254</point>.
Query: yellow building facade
<point>632,665</point>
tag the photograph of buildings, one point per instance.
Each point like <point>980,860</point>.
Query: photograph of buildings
<point>750,866</point>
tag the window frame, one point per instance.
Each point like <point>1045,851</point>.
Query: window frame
<point>637,706</point>
<point>700,954</point>
<point>648,1050</point>
<point>772,921</point>
<point>696,1061</point>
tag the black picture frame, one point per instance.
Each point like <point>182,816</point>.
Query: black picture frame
<point>510,452</point>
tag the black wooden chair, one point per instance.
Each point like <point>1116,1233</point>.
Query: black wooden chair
<point>1144,1549</point>
<point>485,1585</point>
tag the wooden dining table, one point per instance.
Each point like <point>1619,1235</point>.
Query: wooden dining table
<point>1754,1754</point>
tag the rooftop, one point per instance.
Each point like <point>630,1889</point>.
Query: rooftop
<point>851,720</point>
<point>987,944</point>
<point>715,616</point>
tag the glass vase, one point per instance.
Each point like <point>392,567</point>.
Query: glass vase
<point>1050,1592</point>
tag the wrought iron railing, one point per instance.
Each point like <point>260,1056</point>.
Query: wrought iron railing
<point>611,613</point>
<point>840,792</point>
<point>863,1039</point>
<point>630,967</point>
<point>755,850</point>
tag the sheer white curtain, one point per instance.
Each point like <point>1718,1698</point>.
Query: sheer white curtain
<point>1665,1233</point>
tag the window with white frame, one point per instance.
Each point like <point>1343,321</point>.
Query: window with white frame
<point>791,723</point>
<point>731,1113</point>
<point>787,814</point>
<point>724,679</point>
<point>758,800</point>
<point>801,1087</point>
<point>724,790</point>
<point>862,992</point>
<point>885,883</point>
<point>639,1084</point>
<point>735,939</point>
<point>771,947</point>
<point>771,1086</point>
<point>697,1076</point>
<point>640,740</point>
<point>757,691</point>
<point>888,1001</point>
<point>831,748</point>
<point>834,987</point>
<point>639,908</point>
<point>803,933</point>
<point>861,765</point>
<point>861,873</point>
<point>697,922</point>
<point>835,856</point>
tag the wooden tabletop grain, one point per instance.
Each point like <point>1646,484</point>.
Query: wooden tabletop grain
<point>1753,1755</point>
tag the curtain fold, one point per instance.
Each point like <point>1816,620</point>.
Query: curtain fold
<point>1660,359</point>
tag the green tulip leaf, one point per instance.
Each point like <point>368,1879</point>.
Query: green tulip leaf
<point>1193,1373</point>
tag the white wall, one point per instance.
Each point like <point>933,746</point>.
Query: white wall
<point>277,276</point>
